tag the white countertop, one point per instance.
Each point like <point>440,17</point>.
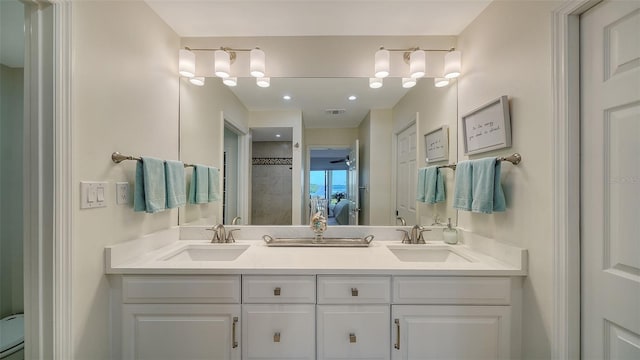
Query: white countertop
<point>146,255</point>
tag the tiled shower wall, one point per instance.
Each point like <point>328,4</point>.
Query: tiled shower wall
<point>271,185</point>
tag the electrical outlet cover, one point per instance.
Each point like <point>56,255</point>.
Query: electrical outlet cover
<point>122,193</point>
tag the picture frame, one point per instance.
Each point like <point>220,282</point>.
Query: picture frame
<point>487,127</point>
<point>437,144</point>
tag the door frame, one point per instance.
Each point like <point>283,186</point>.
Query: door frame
<point>244,167</point>
<point>565,53</point>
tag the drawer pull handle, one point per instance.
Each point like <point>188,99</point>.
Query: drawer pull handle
<point>352,338</point>
<point>354,291</point>
<point>276,291</point>
<point>276,337</point>
<point>397,344</point>
<point>234,342</point>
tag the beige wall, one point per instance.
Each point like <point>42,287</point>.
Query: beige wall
<point>507,51</point>
<point>331,137</point>
<point>125,98</point>
<point>203,110</point>
<point>375,165</point>
<point>435,107</point>
<point>364,136</point>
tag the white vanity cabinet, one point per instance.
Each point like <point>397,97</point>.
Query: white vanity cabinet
<point>180,317</point>
<point>455,318</point>
<point>353,317</point>
<point>278,317</point>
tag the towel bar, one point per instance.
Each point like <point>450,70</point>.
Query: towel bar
<point>513,158</point>
<point>117,158</point>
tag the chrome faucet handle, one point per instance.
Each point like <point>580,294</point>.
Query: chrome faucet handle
<point>230,238</point>
<point>405,236</point>
<point>421,237</point>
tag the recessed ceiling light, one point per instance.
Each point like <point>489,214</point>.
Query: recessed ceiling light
<point>287,97</point>
<point>352,97</point>
<point>277,135</point>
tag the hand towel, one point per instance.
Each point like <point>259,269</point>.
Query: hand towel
<point>487,190</point>
<point>430,185</point>
<point>150,187</point>
<point>214,184</point>
<point>420,193</point>
<point>199,190</point>
<point>176,187</point>
<point>463,188</point>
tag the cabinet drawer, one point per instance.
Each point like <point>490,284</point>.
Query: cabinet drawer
<point>353,332</point>
<point>278,289</point>
<point>220,289</point>
<point>353,289</point>
<point>278,331</point>
<point>451,290</point>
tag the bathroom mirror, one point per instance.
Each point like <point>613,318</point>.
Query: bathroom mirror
<point>317,116</point>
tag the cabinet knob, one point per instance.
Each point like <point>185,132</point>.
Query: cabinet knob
<point>276,337</point>
<point>276,291</point>
<point>354,291</point>
<point>352,338</point>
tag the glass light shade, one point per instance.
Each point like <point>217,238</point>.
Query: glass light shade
<point>417,64</point>
<point>263,82</point>
<point>230,81</point>
<point>186,63</point>
<point>375,83</point>
<point>222,63</point>
<point>440,82</point>
<point>257,63</point>
<point>382,63</point>
<point>409,82</point>
<point>197,80</point>
<point>452,64</point>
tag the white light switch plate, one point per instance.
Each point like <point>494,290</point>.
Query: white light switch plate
<point>93,194</point>
<point>122,193</point>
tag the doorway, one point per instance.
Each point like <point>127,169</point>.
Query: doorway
<point>329,179</point>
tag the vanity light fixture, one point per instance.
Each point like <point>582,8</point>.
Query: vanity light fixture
<point>186,63</point>
<point>263,82</point>
<point>223,58</point>
<point>230,81</point>
<point>197,80</point>
<point>409,82</point>
<point>440,82</point>
<point>417,61</point>
<point>375,83</point>
<point>452,64</point>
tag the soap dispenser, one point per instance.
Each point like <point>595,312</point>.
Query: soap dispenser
<point>449,234</point>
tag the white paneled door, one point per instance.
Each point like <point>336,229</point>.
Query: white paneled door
<point>354,183</point>
<point>610,180</point>
<point>406,174</point>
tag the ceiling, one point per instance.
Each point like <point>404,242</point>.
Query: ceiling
<point>202,18</point>
<point>313,96</point>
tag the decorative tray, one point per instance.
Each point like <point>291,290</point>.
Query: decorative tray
<point>312,242</point>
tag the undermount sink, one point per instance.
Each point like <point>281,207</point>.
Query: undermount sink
<point>427,254</point>
<point>209,252</point>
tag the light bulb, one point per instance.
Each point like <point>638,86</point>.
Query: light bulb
<point>222,63</point>
<point>382,63</point>
<point>417,64</point>
<point>375,83</point>
<point>230,81</point>
<point>197,80</point>
<point>257,63</point>
<point>440,82</point>
<point>263,82</point>
<point>452,64</point>
<point>186,63</point>
<point>408,82</point>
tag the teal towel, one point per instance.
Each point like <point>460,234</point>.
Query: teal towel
<point>430,185</point>
<point>463,189</point>
<point>150,187</point>
<point>487,190</point>
<point>214,184</point>
<point>176,187</point>
<point>199,191</point>
<point>420,193</point>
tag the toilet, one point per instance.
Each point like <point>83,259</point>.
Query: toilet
<point>12,337</point>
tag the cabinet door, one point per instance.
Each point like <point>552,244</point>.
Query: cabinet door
<point>177,331</point>
<point>450,332</point>
<point>277,331</point>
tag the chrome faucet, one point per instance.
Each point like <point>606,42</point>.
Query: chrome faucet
<point>402,220</point>
<point>414,236</point>
<point>220,234</point>
<point>235,220</point>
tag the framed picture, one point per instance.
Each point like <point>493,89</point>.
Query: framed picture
<point>437,144</point>
<point>487,128</point>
